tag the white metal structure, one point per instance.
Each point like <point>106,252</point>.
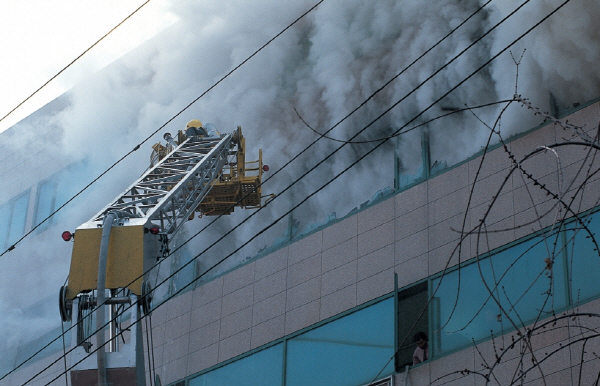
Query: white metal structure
<point>170,191</point>
<point>115,250</point>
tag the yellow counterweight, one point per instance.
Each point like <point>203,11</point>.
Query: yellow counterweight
<point>132,250</point>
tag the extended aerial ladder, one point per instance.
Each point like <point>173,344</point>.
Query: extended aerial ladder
<point>115,251</point>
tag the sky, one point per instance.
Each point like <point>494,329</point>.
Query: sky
<point>322,68</point>
<point>40,38</point>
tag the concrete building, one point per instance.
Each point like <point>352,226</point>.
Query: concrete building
<point>496,263</point>
<point>495,258</point>
<point>334,307</point>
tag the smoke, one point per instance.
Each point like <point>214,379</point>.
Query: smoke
<point>324,66</point>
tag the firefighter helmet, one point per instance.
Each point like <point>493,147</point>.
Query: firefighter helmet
<point>194,123</point>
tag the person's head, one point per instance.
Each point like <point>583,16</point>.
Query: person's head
<point>420,339</point>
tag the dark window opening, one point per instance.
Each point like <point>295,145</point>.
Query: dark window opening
<point>412,318</point>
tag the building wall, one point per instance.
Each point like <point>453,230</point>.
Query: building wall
<point>414,234</point>
<point>29,159</point>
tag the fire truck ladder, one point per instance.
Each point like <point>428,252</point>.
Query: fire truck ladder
<point>115,250</point>
<point>170,191</point>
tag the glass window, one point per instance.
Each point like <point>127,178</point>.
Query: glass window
<point>13,217</point>
<point>45,201</point>
<point>19,216</point>
<point>264,368</point>
<point>348,351</point>
<point>524,285</point>
<point>185,276</point>
<point>5,211</point>
<point>56,190</point>
<point>584,260</point>
<point>411,159</point>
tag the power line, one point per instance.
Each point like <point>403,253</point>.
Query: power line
<point>297,180</point>
<point>74,60</point>
<point>137,147</point>
<point>362,157</point>
<point>309,171</point>
<point>12,247</point>
<point>467,78</point>
<point>397,131</point>
<point>348,116</point>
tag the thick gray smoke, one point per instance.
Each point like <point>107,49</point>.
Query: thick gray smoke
<point>323,67</point>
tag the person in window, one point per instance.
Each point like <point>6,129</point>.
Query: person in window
<point>421,353</point>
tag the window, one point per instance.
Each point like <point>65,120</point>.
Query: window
<point>55,191</point>
<point>412,318</point>
<point>184,276</point>
<point>263,368</point>
<point>45,203</point>
<point>508,289</point>
<point>346,352</point>
<point>412,166</point>
<point>583,261</point>
<point>13,217</point>
<point>514,286</point>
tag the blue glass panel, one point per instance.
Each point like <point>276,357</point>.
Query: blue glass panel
<point>70,181</point>
<point>584,260</point>
<point>264,368</point>
<point>4,224</point>
<point>18,217</point>
<point>346,352</point>
<point>522,286</point>
<point>45,202</point>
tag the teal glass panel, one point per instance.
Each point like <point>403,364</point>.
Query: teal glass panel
<point>264,368</point>
<point>406,180</point>
<point>411,165</point>
<point>182,274</point>
<point>584,260</point>
<point>523,288</point>
<point>18,217</point>
<point>349,351</point>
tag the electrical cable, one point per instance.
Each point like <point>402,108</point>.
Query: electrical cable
<point>460,110</point>
<point>74,60</point>
<point>366,154</point>
<point>62,326</point>
<point>338,149</point>
<point>149,345</point>
<point>464,80</point>
<point>12,247</point>
<point>350,114</point>
<point>289,186</point>
<point>362,104</point>
<point>480,68</point>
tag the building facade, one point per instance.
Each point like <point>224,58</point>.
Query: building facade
<point>495,260</point>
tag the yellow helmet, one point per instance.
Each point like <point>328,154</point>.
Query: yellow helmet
<point>194,123</point>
